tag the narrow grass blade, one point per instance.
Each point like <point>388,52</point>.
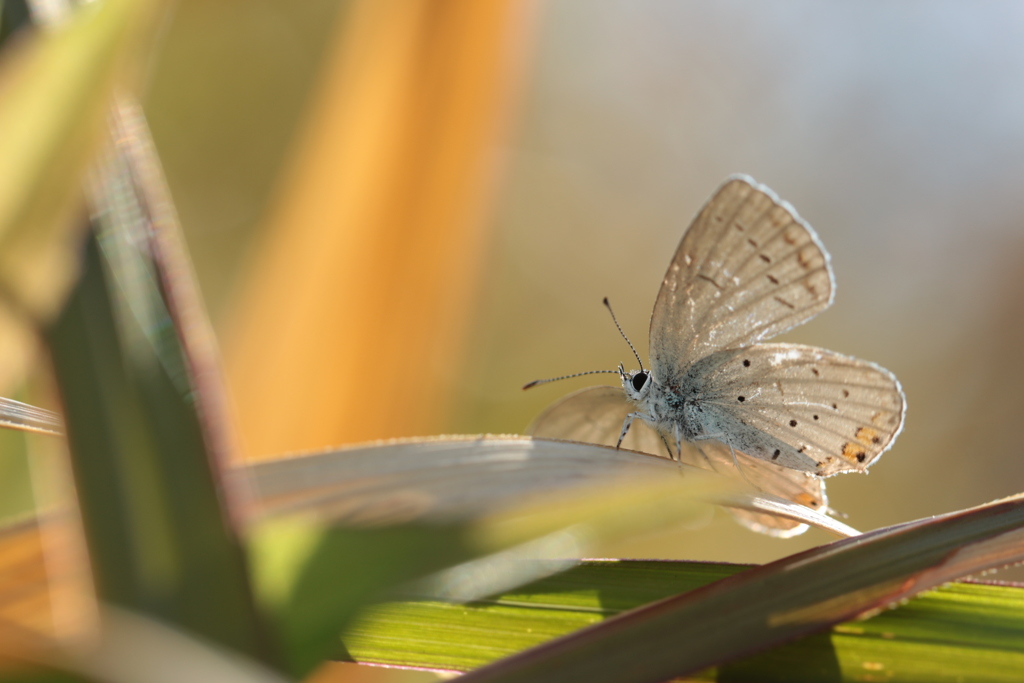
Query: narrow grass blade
<point>777,603</point>
<point>956,633</point>
<point>27,418</point>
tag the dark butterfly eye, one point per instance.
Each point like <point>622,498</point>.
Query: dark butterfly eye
<point>639,380</point>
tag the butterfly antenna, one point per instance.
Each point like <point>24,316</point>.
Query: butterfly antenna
<point>614,320</point>
<point>577,374</point>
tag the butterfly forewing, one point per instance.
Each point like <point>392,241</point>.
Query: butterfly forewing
<point>840,412</point>
<point>747,269</point>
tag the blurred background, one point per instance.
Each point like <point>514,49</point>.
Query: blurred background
<point>400,211</point>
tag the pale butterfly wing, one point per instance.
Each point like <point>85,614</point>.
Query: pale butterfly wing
<point>799,487</point>
<point>799,406</point>
<point>747,269</point>
<point>595,415</point>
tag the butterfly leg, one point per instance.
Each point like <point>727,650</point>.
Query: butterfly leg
<point>627,423</point>
<point>704,455</point>
<point>677,432</point>
<point>668,449</point>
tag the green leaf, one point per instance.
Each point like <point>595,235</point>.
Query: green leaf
<point>55,86</point>
<point>56,90</point>
<point>959,632</point>
<point>777,603</point>
<point>159,538</point>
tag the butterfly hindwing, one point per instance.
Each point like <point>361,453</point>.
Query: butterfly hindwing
<point>747,269</point>
<point>799,406</point>
<point>595,415</point>
<point>798,487</point>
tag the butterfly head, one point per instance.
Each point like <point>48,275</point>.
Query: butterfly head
<point>637,383</point>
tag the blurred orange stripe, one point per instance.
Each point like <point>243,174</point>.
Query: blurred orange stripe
<point>351,324</point>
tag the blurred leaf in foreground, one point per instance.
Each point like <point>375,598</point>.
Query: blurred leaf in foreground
<point>159,538</point>
<point>54,90</point>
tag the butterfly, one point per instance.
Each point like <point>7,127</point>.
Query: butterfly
<point>783,416</point>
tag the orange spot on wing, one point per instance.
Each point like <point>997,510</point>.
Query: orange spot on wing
<point>808,500</point>
<point>853,452</point>
<point>867,435</point>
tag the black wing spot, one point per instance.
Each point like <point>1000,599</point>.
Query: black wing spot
<point>846,393</point>
<point>801,449</point>
<point>784,302</point>
<point>741,399</point>
<point>772,279</point>
<point>815,417</point>
<point>776,454</point>
<point>746,362</point>
<point>765,258</point>
<point>876,440</point>
<point>860,457</point>
<point>835,407</point>
<point>815,371</point>
<point>792,423</point>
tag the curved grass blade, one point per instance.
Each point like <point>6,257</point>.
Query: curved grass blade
<point>408,508</point>
<point>959,632</point>
<point>448,478</point>
<point>339,530</point>
<point>777,603</point>
<point>392,512</point>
